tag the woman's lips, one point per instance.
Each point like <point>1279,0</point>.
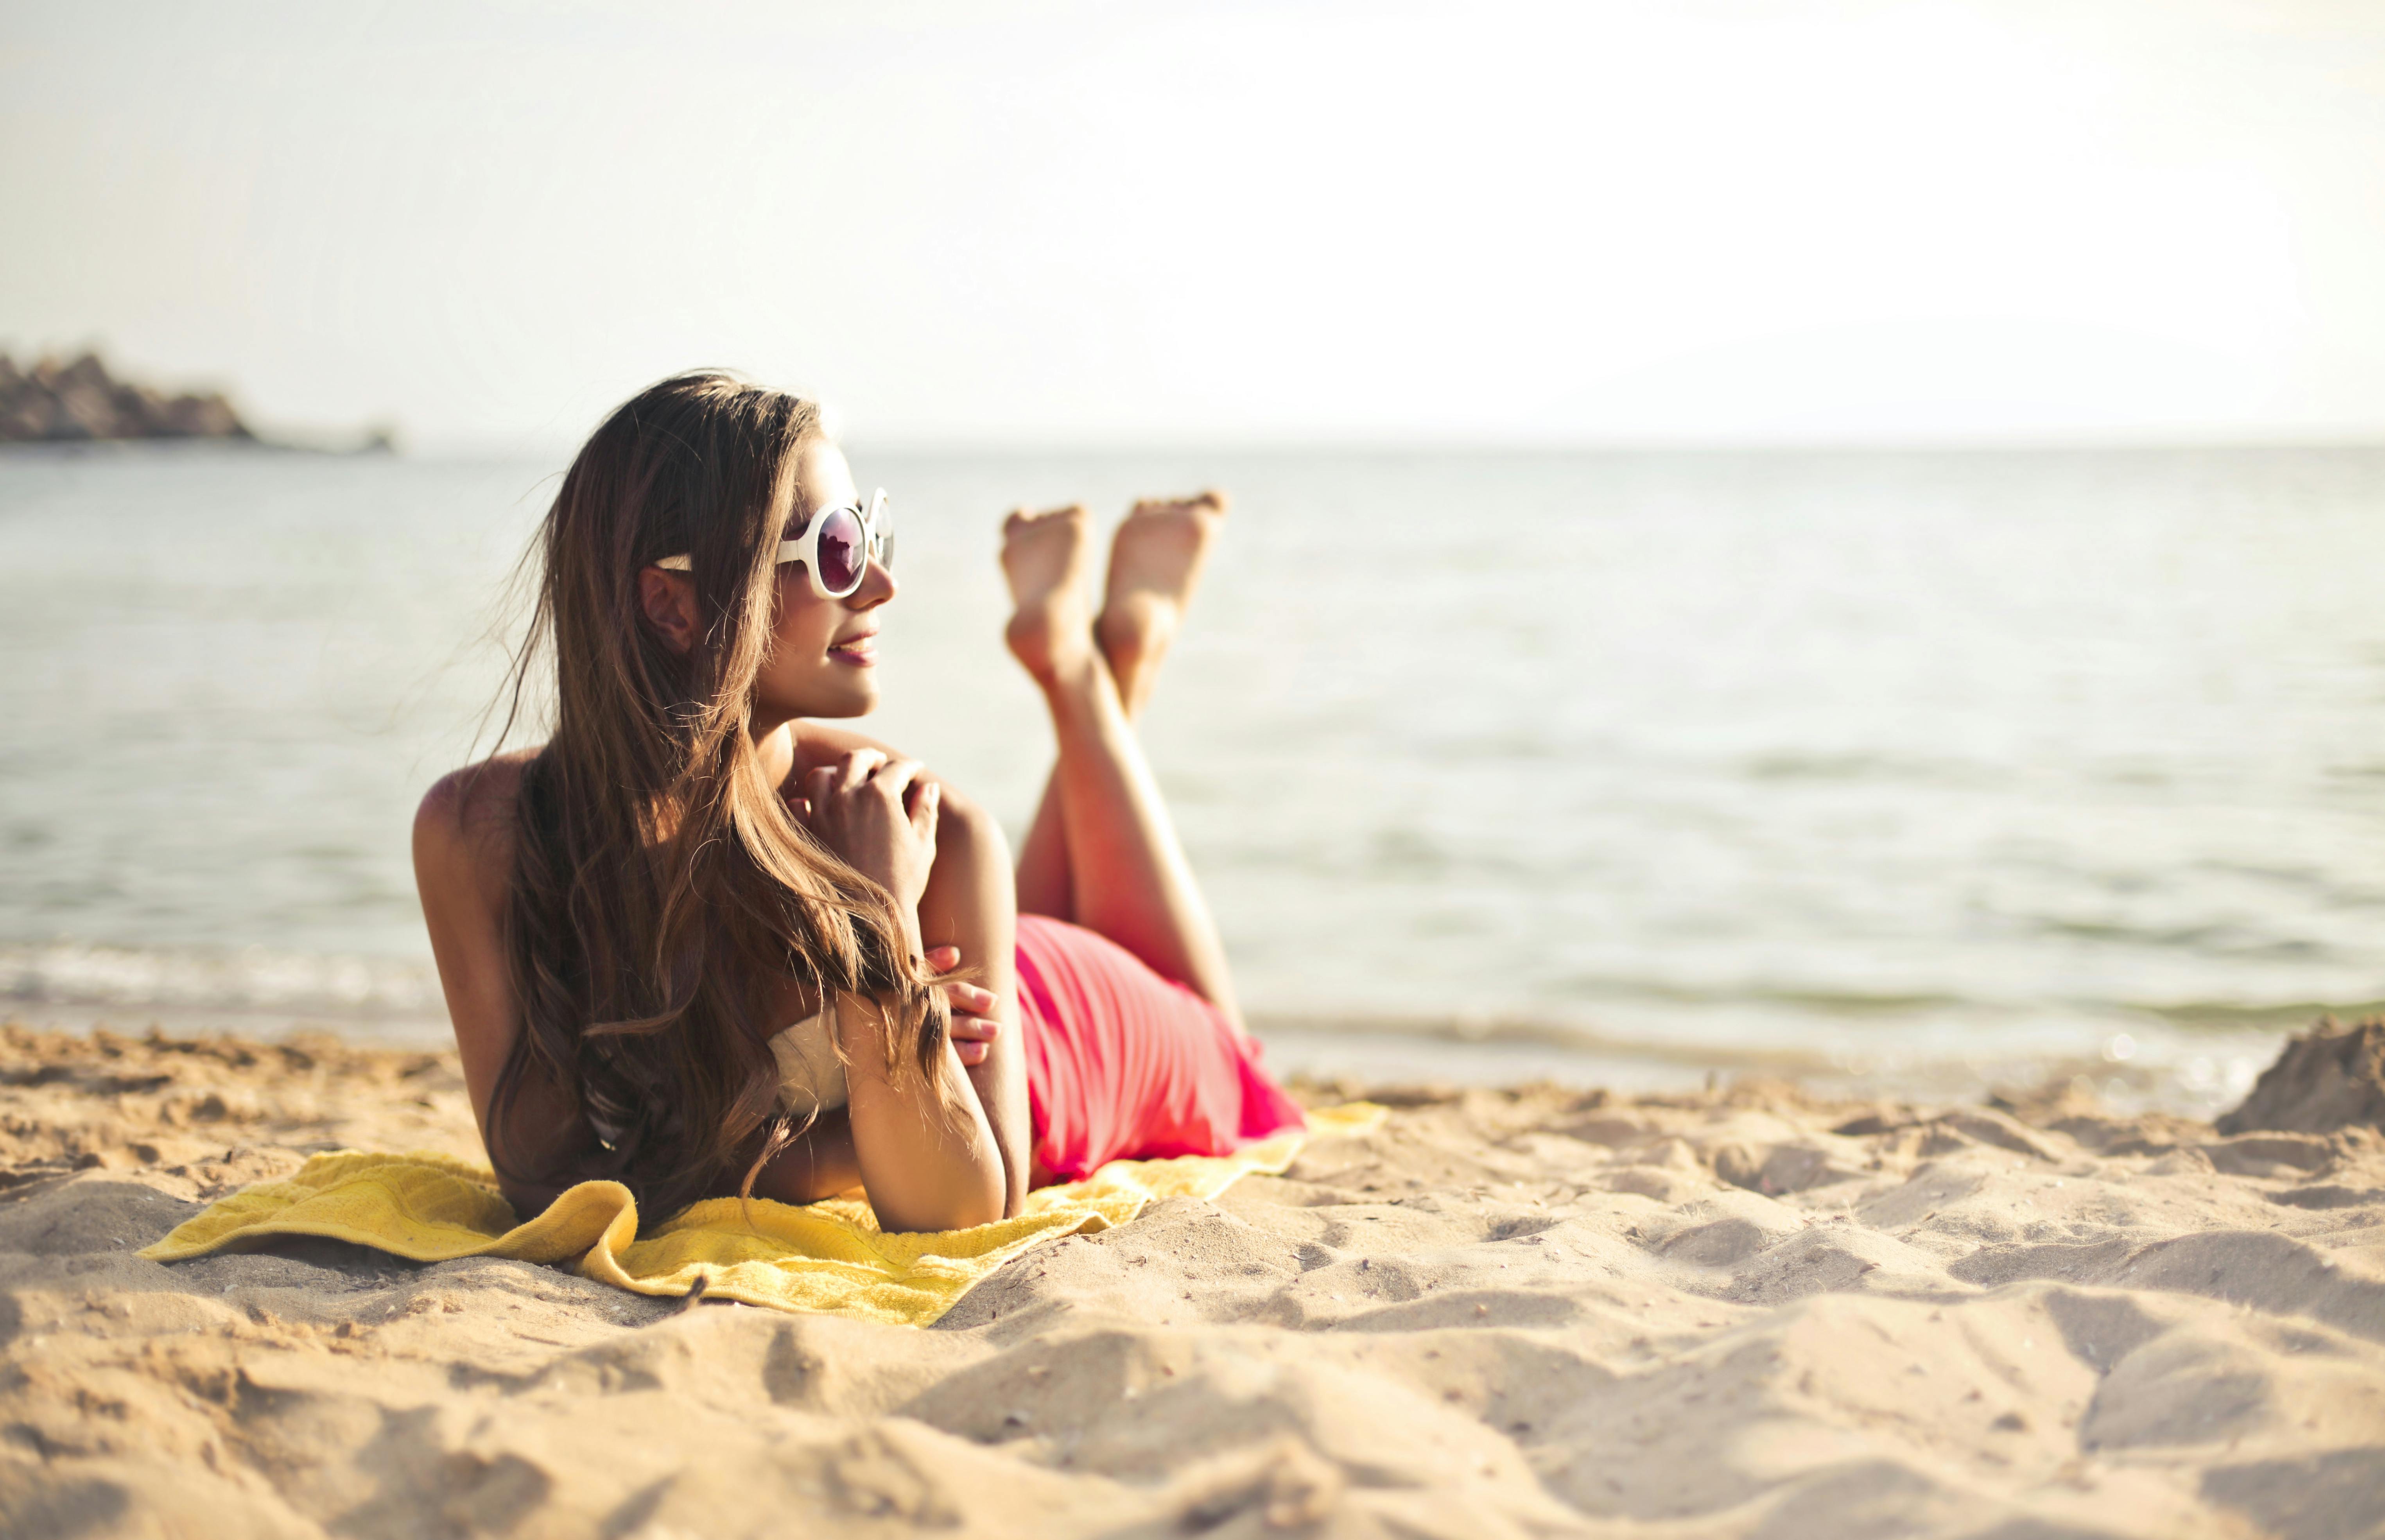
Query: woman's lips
<point>860,651</point>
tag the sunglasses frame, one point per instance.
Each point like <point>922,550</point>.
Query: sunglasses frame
<point>804,548</point>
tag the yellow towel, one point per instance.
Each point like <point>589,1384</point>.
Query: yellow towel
<point>828,1257</point>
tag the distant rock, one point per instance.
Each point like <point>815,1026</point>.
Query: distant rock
<point>2328,1078</point>
<point>58,403</point>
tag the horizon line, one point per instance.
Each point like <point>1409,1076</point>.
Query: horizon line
<point>1388,446</point>
<point>505,447</point>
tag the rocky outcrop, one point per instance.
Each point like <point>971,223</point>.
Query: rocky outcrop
<point>2328,1078</point>
<point>56,402</point>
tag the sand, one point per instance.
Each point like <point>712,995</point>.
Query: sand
<point>1528,1312</point>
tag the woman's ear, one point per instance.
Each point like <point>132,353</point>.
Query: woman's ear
<point>668,600</point>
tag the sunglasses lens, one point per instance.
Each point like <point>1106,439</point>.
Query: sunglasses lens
<point>885,534</point>
<point>843,559</point>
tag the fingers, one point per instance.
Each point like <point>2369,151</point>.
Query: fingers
<point>862,767</point>
<point>905,781</point>
<point>879,813</point>
<point>973,1039</point>
<point>896,776</point>
<point>819,786</point>
<point>968,999</point>
<point>944,959</point>
<point>974,1027</point>
<point>858,766</point>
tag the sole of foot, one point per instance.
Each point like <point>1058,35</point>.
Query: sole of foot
<point>1155,563</point>
<point>1044,559</point>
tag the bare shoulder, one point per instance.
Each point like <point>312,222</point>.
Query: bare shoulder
<point>464,829</point>
<point>821,743</point>
<point>463,865</point>
<point>478,797</point>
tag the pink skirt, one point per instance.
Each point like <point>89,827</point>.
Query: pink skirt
<point>1125,1065</point>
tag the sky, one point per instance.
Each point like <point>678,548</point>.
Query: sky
<point>1706,221</point>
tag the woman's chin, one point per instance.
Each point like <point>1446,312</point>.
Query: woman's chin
<point>847,699</point>
<point>846,703</point>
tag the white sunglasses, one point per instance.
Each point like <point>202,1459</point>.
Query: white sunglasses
<point>836,546</point>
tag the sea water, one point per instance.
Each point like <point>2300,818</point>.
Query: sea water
<point>1923,771</point>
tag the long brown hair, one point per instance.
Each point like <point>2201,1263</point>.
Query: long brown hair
<point>661,889</point>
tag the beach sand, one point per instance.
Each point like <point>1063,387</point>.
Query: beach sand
<point>1536,1312</point>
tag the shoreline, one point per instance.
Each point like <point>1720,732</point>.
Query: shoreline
<point>1526,1310</point>
<point>2158,1072</point>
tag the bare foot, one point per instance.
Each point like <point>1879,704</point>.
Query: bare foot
<point>1044,558</point>
<point>1155,563</point>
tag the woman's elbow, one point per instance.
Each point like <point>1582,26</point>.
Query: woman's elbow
<point>983,1208</point>
<point>969,1192</point>
<point>964,1212</point>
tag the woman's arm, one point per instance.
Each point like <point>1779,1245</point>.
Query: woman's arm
<point>462,868</point>
<point>926,1151</point>
<point>970,904</point>
<point>821,1163</point>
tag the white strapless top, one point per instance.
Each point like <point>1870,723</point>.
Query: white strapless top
<point>811,1076</point>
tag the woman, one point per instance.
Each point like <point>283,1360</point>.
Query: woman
<point>702,941</point>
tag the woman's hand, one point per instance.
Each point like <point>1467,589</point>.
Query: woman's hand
<point>974,1026</point>
<point>878,815</point>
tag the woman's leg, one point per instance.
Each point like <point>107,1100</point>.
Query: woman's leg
<point>1104,824</point>
<point>1044,885</point>
<point>1155,562</point>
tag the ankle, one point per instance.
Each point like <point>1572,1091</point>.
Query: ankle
<point>1133,639</point>
<point>1133,688</point>
<point>1127,677</point>
<point>1072,674</point>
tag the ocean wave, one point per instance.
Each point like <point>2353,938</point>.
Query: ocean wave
<point>246,980</point>
<point>68,971</point>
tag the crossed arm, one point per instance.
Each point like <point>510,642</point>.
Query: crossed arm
<point>463,849</point>
<point>968,918</point>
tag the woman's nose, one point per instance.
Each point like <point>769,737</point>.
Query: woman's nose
<point>877,587</point>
